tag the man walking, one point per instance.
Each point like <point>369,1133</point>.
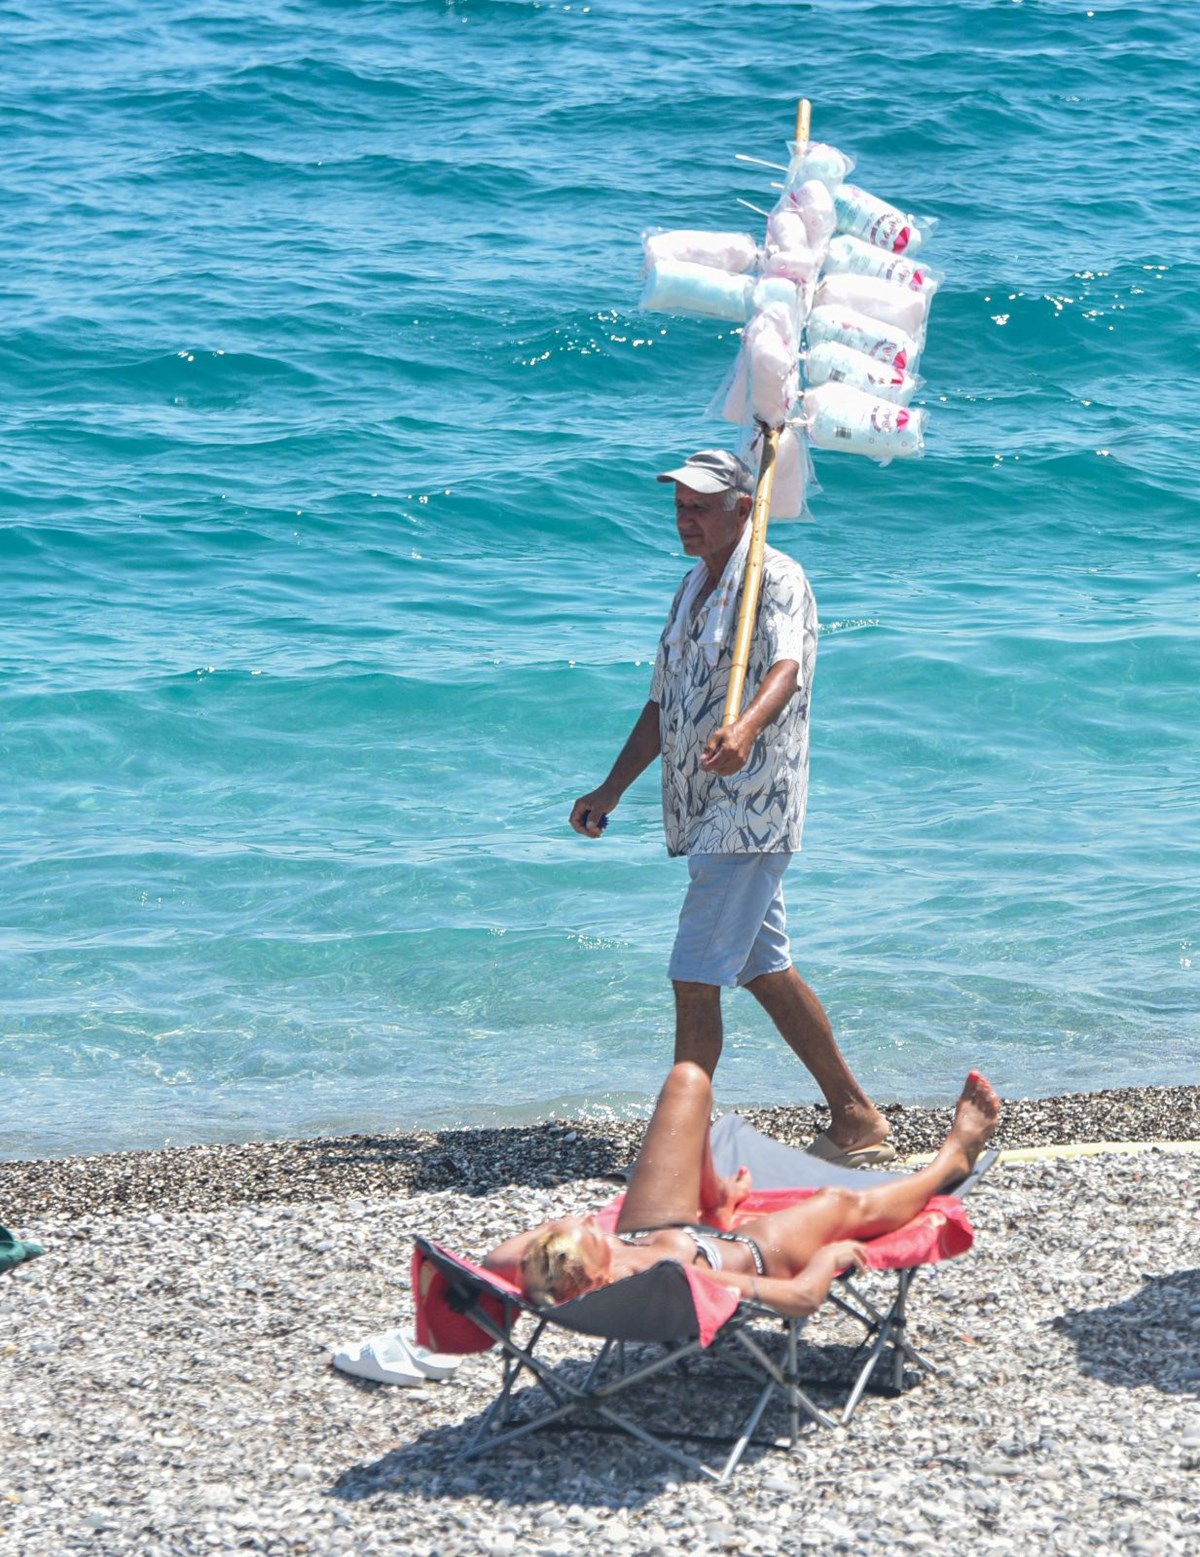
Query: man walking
<point>734,796</point>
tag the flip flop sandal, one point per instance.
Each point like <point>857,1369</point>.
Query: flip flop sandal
<point>827,1150</point>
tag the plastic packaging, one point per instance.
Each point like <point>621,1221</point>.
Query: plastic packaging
<point>795,264</point>
<point>786,230</point>
<point>833,363</point>
<point>878,299</point>
<point>866,216</point>
<point>884,342</point>
<point>851,256</point>
<point>792,465</point>
<point>839,417</point>
<point>816,160</point>
<point>770,374</point>
<point>734,252</point>
<point>794,476</point>
<point>765,382</point>
<point>813,203</point>
<point>796,295</point>
<point>771,342</point>
<point>788,252</point>
<point>678,287</point>
<point>731,402</point>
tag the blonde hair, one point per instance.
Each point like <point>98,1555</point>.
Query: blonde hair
<point>553,1267</point>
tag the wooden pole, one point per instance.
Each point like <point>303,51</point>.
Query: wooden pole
<point>752,581</point>
<point>761,512</point>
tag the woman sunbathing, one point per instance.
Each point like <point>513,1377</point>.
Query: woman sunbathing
<point>678,1208</point>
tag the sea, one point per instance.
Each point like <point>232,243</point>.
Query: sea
<point>333,562</point>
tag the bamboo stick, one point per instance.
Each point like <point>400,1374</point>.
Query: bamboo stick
<point>761,512</point>
<point>752,581</point>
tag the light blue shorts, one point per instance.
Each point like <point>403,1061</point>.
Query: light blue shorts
<point>733,925</point>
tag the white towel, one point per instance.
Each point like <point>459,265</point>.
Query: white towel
<point>719,605</point>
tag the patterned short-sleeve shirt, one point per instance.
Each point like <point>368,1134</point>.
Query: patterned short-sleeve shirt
<point>759,810</point>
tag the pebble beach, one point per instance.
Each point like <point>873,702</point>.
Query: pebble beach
<point>168,1389</point>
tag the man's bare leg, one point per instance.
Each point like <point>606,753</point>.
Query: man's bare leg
<point>698,1030</point>
<point>800,1018</point>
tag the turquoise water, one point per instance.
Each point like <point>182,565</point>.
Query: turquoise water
<point>333,563</point>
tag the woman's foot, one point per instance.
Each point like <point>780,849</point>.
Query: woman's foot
<point>976,1116</point>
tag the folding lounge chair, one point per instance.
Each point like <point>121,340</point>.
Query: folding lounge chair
<point>682,1312</point>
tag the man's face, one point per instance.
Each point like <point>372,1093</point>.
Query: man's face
<point>708,523</point>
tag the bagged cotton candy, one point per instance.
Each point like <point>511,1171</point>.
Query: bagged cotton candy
<point>678,287</point>
<point>786,230</point>
<point>793,476</point>
<point>815,160</point>
<point>788,253</point>
<point>875,221</point>
<point>851,256</point>
<point>795,295</point>
<point>814,204</point>
<point>839,417</point>
<point>764,385</point>
<point>834,363</point>
<point>884,342</point>
<point>879,299</point>
<point>735,252</point>
<point>795,264</point>
<point>792,464</point>
<point>771,345</point>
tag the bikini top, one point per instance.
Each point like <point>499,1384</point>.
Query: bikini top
<point>707,1240</point>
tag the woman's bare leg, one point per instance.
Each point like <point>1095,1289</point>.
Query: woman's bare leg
<point>673,1175</point>
<point>791,1238</point>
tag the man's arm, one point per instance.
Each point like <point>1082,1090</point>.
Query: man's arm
<point>729,746</point>
<point>638,752</point>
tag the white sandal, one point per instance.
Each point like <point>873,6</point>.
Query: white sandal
<point>391,1358</point>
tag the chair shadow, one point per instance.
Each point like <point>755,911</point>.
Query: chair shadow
<point>1148,1338</point>
<point>595,1465</point>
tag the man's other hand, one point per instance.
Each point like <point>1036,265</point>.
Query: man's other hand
<point>589,814</point>
<point>728,749</point>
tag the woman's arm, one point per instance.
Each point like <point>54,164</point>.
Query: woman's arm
<point>505,1258</point>
<point>798,1296</point>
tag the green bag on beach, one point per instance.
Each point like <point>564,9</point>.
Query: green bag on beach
<point>14,1250</point>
